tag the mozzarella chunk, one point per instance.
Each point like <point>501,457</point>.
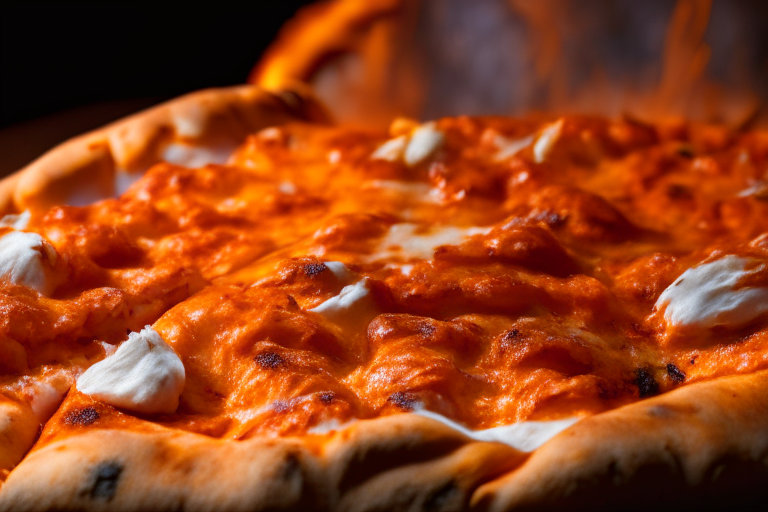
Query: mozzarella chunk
<point>414,148</point>
<point>339,270</point>
<point>546,141</point>
<point>287,187</point>
<point>144,375</point>
<point>704,297</point>
<point>402,240</point>
<point>392,150</point>
<point>352,301</point>
<point>509,148</point>
<point>20,221</point>
<point>191,156</point>
<point>415,191</point>
<point>425,140</point>
<point>24,258</point>
<point>525,436</point>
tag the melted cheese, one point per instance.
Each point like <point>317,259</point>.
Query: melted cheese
<point>25,259</point>
<point>20,221</point>
<point>509,148</point>
<point>143,375</point>
<point>339,270</point>
<point>413,149</point>
<point>410,191</point>
<point>425,140</point>
<point>546,141</point>
<point>706,296</point>
<point>525,436</point>
<point>392,150</point>
<point>350,302</point>
<point>405,241</point>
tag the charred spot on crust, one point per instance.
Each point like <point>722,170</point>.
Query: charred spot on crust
<point>645,383</point>
<point>552,219</point>
<point>84,417</point>
<point>314,269</point>
<point>426,329</point>
<point>442,497</point>
<point>105,479</point>
<point>269,360</point>
<point>511,335</point>
<point>404,401</point>
<point>291,467</point>
<point>327,397</point>
<point>675,373</point>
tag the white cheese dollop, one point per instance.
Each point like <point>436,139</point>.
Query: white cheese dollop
<point>704,297</point>
<point>508,148</point>
<point>20,221</point>
<point>425,140</point>
<point>525,436</point>
<point>413,191</point>
<point>353,301</point>
<point>339,270</point>
<point>403,241</point>
<point>546,141</point>
<point>144,375</point>
<point>414,148</point>
<point>25,259</point>
<point>392,150</point>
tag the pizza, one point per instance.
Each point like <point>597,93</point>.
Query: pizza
<point>228,302</point>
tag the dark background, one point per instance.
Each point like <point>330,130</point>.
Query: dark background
<point>68,67</point>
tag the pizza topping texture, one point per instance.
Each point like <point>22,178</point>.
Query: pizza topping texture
<point>525,436</point>
<point>709,295</point>
<point>20,221</point>
<point>26,259</point>
<point>505,277</point>
<point>144,375</point>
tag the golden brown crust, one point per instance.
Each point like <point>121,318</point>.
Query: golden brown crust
<point>19,427</point>
<point>85,168</point>
<point>700,443</point>
<point>401,462</point>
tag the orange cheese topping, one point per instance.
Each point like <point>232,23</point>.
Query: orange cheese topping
<point>504,271</point>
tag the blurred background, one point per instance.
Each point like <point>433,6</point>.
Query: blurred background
<point>68,67</point>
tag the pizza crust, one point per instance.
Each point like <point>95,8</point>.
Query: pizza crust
<point>98,164</point>
<point>701,444</point>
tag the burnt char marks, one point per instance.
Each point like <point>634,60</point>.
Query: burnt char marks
<point>402,400</point>
<point>646,383</point>
<point>585,215</point>
<point>326,397</point>
<point>449,496</point>
<point>675,373</point>
<point>313,270</point>
<point>105,478</point>
<point>269,360</point>
<point>82,417</point>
